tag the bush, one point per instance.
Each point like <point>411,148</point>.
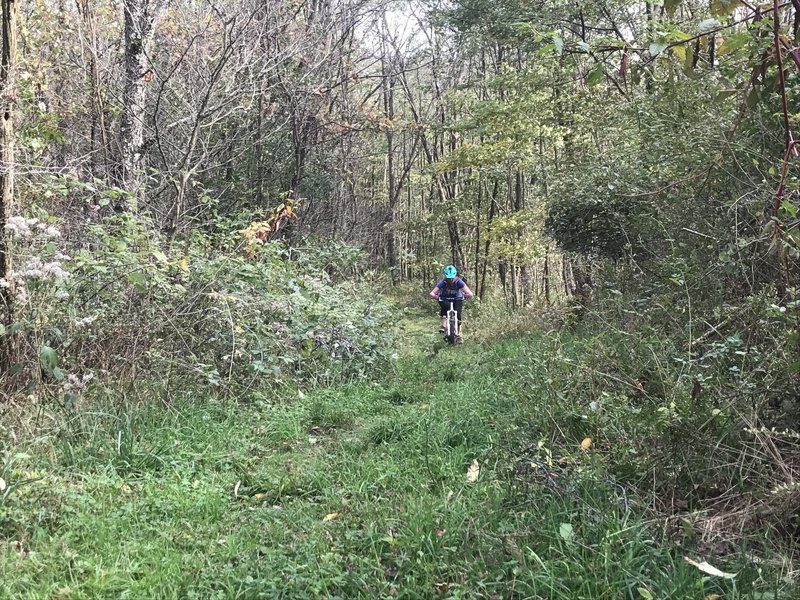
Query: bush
<point>214,312</point>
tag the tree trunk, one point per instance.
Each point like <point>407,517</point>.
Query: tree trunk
<point>492,211</point>
<point>583,282</point>
<point>99,137</point>
<point>139,18</point>
<point>7,95</point>
<point>391,180</point>
<point>524,276</point>
<point>546,278</point>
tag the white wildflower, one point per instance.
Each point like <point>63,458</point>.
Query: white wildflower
<point>74,387</point>
<point>21,293</point>
<point>55,270</point>
<point>85,322</point>
<point>20,226</point>
<point>62,295</point>
<point>33,268</point>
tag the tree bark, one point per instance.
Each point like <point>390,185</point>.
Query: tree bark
<point>139,18</point>
<point>487,245</point>
<point>7,100</point>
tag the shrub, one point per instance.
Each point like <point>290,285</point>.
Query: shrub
<point>211,312</point>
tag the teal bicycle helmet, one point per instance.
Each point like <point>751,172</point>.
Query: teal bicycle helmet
<point>450,271</point>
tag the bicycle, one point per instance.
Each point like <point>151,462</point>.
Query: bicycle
<point>451,327</point>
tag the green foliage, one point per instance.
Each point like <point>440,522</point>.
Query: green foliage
<point>203,313</point>
<point>386,461</point>
<point>596,225</point>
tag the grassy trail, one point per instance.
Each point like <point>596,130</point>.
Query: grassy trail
<point>358,491</point>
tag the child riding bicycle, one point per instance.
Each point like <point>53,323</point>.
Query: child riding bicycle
<point>451,289</point>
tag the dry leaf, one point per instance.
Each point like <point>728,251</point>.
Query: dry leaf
<point>259,496</point>
<point>713,597</point>
<point>330,517</point>
<point>2,485</point>
<point>473,471</point>
<point>709,569</point>
<point>586,443</point>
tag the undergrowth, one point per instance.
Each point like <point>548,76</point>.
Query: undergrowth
<point>587,488</point>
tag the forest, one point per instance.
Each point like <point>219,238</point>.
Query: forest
<point>220,372</point>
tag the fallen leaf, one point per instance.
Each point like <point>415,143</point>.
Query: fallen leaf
<point>709,569</point>
<point>566,531</point>
<point>713,597</point>
<point>424,406</point>
<point>236,489</point>
<point>222,542</point>
<point>645,593</point>
<point>2,485</point>
<point>473,471</point>
<point>330,517</point>
<point>259,496</point>
<point>586,443</point>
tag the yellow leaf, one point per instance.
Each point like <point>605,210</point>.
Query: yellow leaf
<point>713,597</point>
<point>473,471</point>
<point>680,52</point>
<point>259,496</point>
<point>424,406</point>
<point>586,443</point>
<point>183,264</point>
<point>330,517</point>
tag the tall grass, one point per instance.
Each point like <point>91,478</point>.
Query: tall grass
<point>361,491</point>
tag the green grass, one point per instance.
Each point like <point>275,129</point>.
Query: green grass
<point>211,499</point>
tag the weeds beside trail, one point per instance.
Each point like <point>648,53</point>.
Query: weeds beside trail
<point>362,490</point>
